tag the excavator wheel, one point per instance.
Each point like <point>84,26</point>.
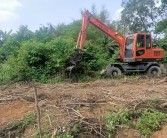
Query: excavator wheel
<point>113,71</point>
<point>154,71</point>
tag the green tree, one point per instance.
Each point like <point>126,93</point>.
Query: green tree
<point>140,15</point>
<point>49,32</point>
<point>23,34</point>
<point>8,44</point>
<point>162,25</point>
<point>4,35</point>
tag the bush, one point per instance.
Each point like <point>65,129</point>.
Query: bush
<point>94,57</point>
<point>150,121</point>
<point>38,61</point>
<point>116,119</point>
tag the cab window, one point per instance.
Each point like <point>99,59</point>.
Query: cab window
<point>129,42</point>
<point>140,41</point>
<point>128,47</point>
<point>148,41</point>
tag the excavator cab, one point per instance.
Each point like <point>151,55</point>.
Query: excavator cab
<point>138,48</point>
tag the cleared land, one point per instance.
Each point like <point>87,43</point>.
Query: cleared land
<point>65,105</point>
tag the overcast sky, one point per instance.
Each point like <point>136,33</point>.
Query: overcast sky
<point>35,13</point>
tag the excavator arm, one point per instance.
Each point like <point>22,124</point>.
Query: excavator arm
<point>88,18</point>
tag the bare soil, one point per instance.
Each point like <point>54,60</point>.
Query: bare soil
<point>13,111</point>
<point>65,105</point>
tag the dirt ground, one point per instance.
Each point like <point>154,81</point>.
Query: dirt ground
<point>63,105</point>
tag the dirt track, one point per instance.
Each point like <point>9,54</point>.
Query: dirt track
<point>61,103</point>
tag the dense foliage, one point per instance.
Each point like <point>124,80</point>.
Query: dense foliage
<point>44,54</point>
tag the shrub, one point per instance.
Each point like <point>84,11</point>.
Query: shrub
<point>150,121</point>
<point>116,119</point>
<point>38,61</point>
<point>147,120</point>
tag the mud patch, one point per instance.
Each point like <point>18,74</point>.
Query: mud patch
<point>161,133</point>
<point>13,111</point>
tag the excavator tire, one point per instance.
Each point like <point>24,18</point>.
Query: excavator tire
<point>154,71</point>
<point>114,71</point>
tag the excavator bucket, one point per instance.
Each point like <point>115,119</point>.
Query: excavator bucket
<point>75,58</point>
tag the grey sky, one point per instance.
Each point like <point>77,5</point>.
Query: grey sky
<point>34,13</point>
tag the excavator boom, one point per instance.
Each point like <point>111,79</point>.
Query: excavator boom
<point>88,18</point>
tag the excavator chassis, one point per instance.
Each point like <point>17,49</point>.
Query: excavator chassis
<point>151,68</point>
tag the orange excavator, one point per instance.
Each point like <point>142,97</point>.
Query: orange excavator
<point>137,53</point>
